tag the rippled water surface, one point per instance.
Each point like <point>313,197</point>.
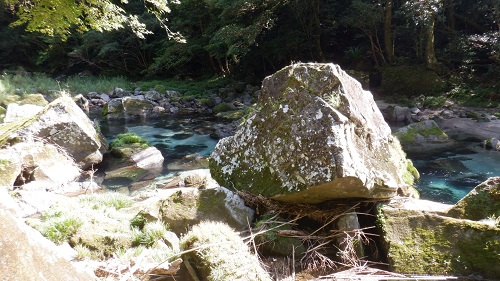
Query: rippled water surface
<point>448,176</point>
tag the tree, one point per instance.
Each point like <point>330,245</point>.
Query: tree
<point>388,43</point>
<point>60,17</point>
<point>423,14</point>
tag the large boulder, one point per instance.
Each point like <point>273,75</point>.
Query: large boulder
<point>63,124</point>
<point>419,238</point>
<point>316,135</point>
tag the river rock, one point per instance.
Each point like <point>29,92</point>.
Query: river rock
<point>316,135</point>
<point>395,113</point>
<point>63,124</point>
<point>418,240</point>
<point>421,131</point>
<point>148,159</point>
<point>482,202</point>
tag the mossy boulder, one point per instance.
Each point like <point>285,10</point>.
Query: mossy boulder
<point>190,206</point>
<point>36,99</point>
<point>420,241</point>
<point>315,135</point>
<point>410,81</point>
<point>427,130</point>
<point>218,253</point>
<point>482,202</point>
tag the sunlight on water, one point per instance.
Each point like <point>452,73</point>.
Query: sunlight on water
<point>170,141</point>
<point>448,177</point>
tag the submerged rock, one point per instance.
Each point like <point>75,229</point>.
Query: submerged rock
<point>316,135</point>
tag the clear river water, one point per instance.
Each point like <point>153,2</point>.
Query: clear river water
<point>446,176</point>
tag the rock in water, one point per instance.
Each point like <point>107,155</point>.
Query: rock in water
<point>316,135</point>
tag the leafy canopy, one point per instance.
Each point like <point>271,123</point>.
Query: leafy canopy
<point>60,17</point>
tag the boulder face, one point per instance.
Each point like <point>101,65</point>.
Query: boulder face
<point>316,135</point>
<point>424,241</point>
<point>64,124</point>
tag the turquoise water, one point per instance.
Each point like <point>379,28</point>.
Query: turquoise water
<point>445,177</point>
<point>448,176</point>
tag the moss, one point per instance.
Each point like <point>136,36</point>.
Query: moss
<point>430,244</point>
<point>413,132</point>
<point>222,107</point>
<point>36,99</point>
<point>273,244</point>
<point>130,141</point>
<point>411,174</point>
<point>218,253</point>
<point>481,203</point>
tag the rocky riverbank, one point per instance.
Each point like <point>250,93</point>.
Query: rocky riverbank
<point>314,159</point>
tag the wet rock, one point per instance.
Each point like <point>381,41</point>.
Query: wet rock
<point>316,135</point>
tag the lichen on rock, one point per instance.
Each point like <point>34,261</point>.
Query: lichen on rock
<point>316,135</point>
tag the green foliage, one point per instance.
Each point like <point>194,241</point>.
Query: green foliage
<point>222,107</point>
<point>125,139</point>
<point>62,17</point>
<point>194,88</point>
<point>22,84</point>
<point>59,228</point>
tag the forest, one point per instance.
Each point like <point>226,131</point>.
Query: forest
<point>457,40</point>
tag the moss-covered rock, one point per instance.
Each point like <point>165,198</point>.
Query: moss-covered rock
<point>419,241</point>
<point>36,99</point>
<point>316,135</point>
<point>219,254</point>
<point>411,81</point>
<point>422,131</point>
<point>188,207</point>
<point>481,203</point>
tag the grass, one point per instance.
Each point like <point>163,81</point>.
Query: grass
<point>59,229</point>
<point>149,234</point>
<point>20,84</point>
<point>111,199</point>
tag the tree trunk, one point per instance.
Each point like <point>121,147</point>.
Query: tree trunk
<point>430,54</point>
<point>450,15</point>
<point>388,43</point>
<point>317,29</point>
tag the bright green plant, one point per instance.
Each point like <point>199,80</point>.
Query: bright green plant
<point>122,140</point>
